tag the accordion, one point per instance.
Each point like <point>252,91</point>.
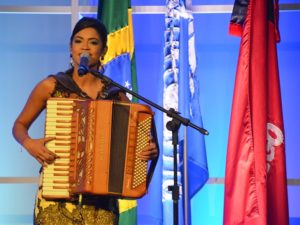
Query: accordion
<point>97,143</point>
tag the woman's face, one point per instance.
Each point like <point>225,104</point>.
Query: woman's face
<point>87,41</point>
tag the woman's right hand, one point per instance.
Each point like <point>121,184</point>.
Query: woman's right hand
<point>36,148</point>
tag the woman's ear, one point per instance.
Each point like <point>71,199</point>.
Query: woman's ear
<point>70,49</point>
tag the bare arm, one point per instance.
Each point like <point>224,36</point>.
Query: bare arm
<point>34,106</point>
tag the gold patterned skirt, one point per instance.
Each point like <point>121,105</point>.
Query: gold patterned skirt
<point>93,210</point>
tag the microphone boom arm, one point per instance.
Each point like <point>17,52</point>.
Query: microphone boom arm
<point>171,112</point>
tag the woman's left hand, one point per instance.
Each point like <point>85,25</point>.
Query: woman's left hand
<point>150,152</point>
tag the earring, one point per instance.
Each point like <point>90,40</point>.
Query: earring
<point>71,61</point>
<point>100,68</point>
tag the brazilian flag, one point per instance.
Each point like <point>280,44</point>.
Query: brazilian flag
<point>119,65</point>
<point>119,61</point>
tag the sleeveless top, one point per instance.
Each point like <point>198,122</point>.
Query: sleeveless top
<point>101,210</point>
<point>66,87</point>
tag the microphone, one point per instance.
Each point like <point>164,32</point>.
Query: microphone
<point>83,67</point>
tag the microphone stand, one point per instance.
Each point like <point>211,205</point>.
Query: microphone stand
<point>173,125</point>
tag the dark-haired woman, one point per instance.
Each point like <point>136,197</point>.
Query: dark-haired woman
<point>89,36</point>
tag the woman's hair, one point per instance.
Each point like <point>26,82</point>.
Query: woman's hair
<point>88,22</point>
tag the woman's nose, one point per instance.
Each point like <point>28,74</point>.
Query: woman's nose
<point>85,45</point>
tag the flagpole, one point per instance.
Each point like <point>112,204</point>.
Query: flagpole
<point>186,199</point>
<point>173,125</point>
<point>186,207</point>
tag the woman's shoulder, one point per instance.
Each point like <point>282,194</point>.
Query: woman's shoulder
<point>47,83</point>
<point>50,82</point>
<point>42,91</point>
<point>62,75</point>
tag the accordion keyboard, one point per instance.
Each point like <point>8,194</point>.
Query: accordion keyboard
<point>59,124</point>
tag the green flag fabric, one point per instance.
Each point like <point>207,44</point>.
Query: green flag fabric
<point>119,65</point>
<point>119,61</point>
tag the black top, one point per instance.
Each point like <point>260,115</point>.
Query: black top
<point>66,87</point>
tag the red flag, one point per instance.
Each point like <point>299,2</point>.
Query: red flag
<point>255,182</point>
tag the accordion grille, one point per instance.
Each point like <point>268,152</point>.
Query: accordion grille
<point>140,168</point>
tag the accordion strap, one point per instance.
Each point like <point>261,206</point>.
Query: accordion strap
<point>65,79</point>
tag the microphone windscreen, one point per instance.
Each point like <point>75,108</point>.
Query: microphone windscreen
<point>83,67</point>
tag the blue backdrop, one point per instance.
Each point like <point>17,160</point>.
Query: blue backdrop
<point>36,45</point>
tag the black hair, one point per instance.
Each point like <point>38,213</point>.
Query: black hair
<point>89,22</point>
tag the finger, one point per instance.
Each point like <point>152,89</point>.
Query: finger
<point>151,138</point>
<point>143,158</point>
<point>147,155</point>
<point>49,158</point>
<point>42,157</point>
<point>149,150</point>
<point>47,139</point>
<point>46,150</point>
<point>45,157</point>
<point>152,145</point>
<point>52,154</point>
<point>45,164</point>
<point>48,162</point>
<point>40,161</point>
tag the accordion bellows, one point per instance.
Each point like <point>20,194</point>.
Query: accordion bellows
<point>97,142</point>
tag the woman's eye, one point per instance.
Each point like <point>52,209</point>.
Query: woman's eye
<point>77,41</point>
<point>94,42</point>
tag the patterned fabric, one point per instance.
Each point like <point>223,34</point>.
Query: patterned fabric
<point>66,87</point>
<point>93,210</point>
<point>100,210</point>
